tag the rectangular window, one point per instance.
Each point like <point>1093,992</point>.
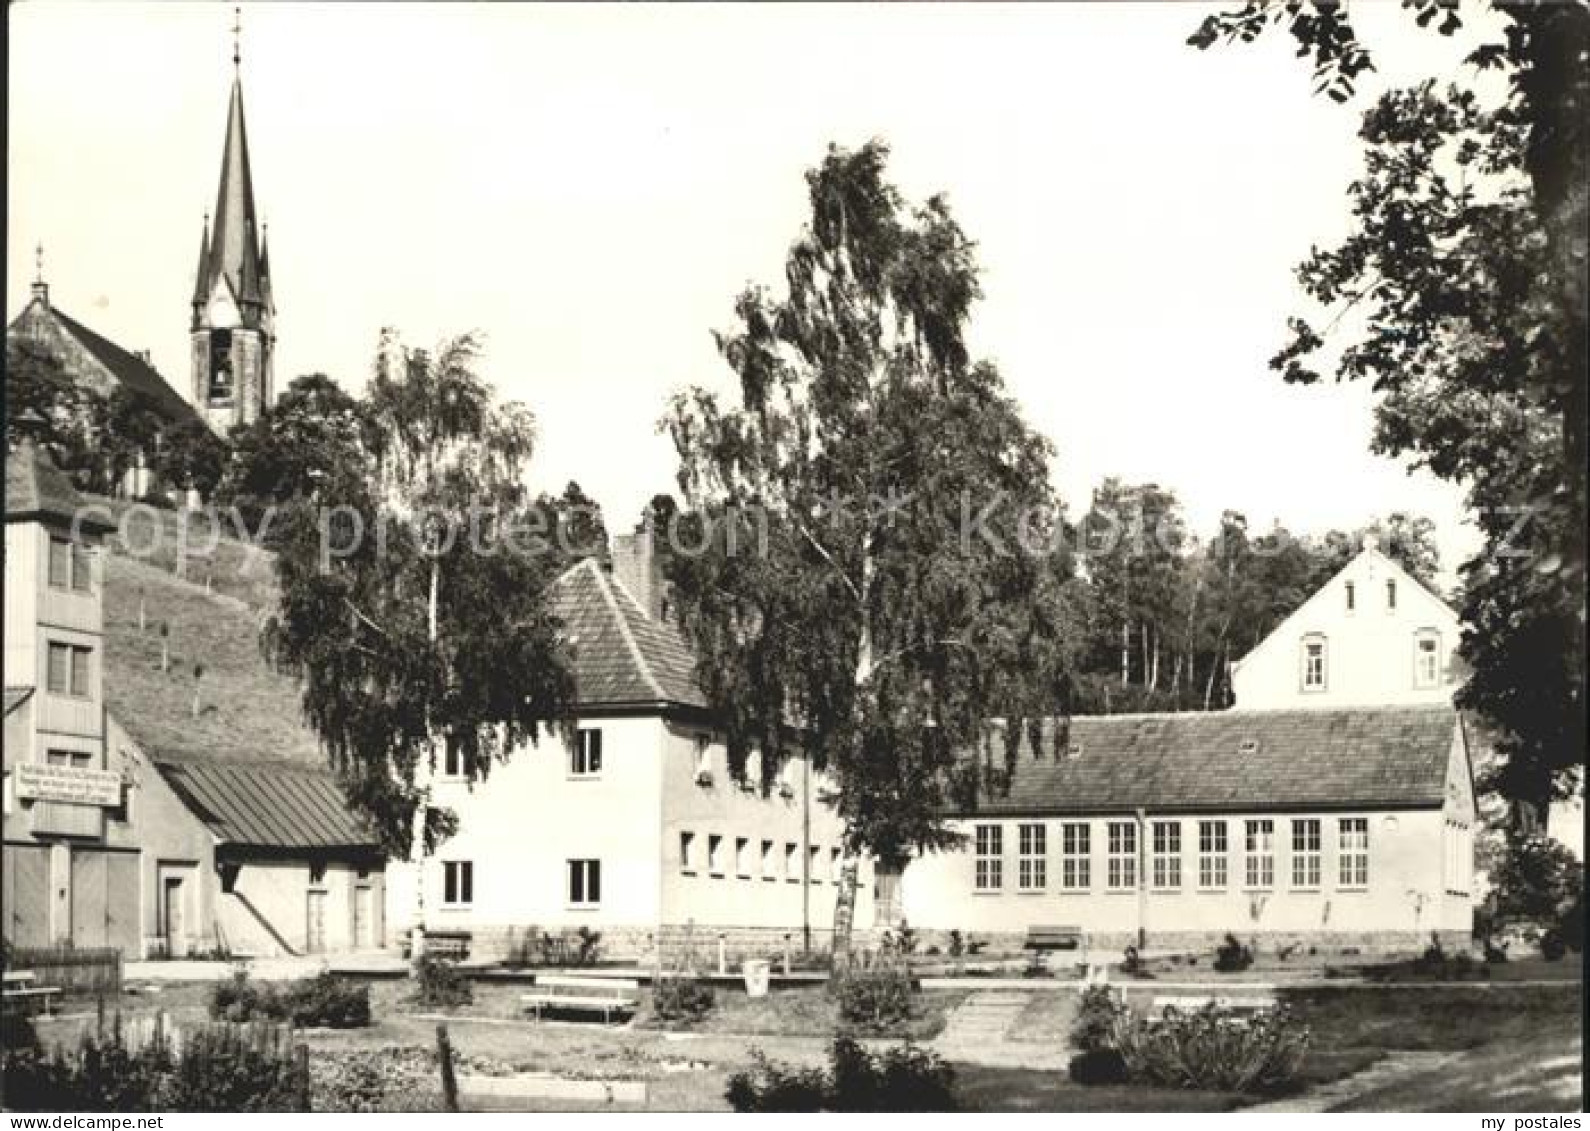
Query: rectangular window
<point>814,864</point>
<point>79,759</point>
<point>769,864</point>
<point>715,854</point>
<point>82,567</point>
<point>742,857</point>
<point>836,865</point>
<point>687,852</point>
<point>703,755</point>
<point>452,763</point>
<point>1031,864</point>
<point>989,864</point>
<point>1351,596</point>
<point>1076,864</point>
<point>792,862</point>
<point>1305,853</point>
<point>1260,845</point>
<point>68,672</point>
<point>1212,849</point>
<point>1121,861</point>
<point>60,563</point>
<point>1427,660</point>
<point>1314,664</point>
<point>585,883</point>
<point>585,758</point>
<point>458,883</point>
<point>1167,854</point>
<point>1391,594</point>
<point>1352,852</point>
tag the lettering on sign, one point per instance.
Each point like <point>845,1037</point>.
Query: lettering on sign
<point>73,785</point>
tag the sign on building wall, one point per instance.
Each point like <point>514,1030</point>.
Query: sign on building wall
<point>73,785</point>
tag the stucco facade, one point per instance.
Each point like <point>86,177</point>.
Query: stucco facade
<point>1370,635</point>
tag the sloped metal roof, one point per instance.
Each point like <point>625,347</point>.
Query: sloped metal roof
<point>267,805</point>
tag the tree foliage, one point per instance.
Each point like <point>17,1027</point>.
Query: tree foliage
<point>389,685</point>
<point>862,593</point>
<point>1463,287</point>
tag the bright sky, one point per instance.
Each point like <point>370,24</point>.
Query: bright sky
<point>591,186</point>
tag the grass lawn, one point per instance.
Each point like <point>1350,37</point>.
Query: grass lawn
<point>1014,1089</point>
<point>806,1012</point>
<point>1412,1018</point>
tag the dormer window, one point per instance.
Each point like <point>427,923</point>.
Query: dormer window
<point>1427,658</point>
<point>1391,595</point>
<point>1352,595</point>
<point>1314,659</point>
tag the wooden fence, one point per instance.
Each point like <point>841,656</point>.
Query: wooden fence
<point>74,970</point>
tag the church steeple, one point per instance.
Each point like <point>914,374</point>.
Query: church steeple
<point>233,324</point>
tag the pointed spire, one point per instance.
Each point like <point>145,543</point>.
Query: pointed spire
<point>237,37</point>
<point>201,274</point>
<point>41,289</point>
<point>234,248</point>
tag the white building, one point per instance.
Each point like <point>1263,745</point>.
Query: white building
<point>1371,635</point>
<point>634,827</point>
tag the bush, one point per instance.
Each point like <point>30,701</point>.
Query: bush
<point>903,1078</point>
<point>1098,1066</point>
<point>874,997</point>
<point>215,1071</point>
<point>582,947</point>
<point>439,984</point>
<point>1552,945</point>
<point>677,998</point>
<point>957,944</point>
<point>1098,1012</point>
<point>1213,1049</point>
<point>324,1001</point>
<point>1232,956</point>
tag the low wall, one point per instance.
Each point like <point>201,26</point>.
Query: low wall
<point>1262,942</point>
<point>671,943</point>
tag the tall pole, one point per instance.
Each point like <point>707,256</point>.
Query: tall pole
<point>422,780</point>
<point>1142,880</point>
<point>806,854</point>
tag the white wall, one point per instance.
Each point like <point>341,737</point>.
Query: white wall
<point>1369,649</point>
<point>1405,864</point>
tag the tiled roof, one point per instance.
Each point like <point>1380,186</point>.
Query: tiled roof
<point>134,373</point>
<point>267,805</point>
<point>621,655</point>
<point>36,488</point>
<point>15,697</point>
<point>1232,760</point>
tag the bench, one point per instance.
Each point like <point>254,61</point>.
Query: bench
<point>1053,938</point>
<point>607,995</point>
<point>19,988</point>
<point>443,944</point>
<point>1241,1007</point>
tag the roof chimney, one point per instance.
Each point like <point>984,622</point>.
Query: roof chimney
<point>635,565</point>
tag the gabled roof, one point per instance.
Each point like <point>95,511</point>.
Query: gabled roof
<point>132,372</point>
<point>622,656</point>
<point>267,805</point>
<point>15,697</point>
<point>36,489</point>
<point>1233,761</point>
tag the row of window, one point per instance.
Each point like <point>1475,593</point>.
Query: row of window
<point>1315,654</point>
<point>1391,595</point>
<point>769,864</point>
<point>582,880</point>
<point>1165,855</point>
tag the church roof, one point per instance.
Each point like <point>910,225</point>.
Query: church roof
<point>132,372</point>
<point>234,250</point>
<point>1231,761</point>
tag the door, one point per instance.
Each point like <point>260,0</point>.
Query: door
<point>25,894</point>
<point>104,899</point>
<point>173,896</point>
<point>363,917</point>
<point>315,936</point>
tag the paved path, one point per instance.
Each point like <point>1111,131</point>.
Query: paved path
<point>979,1031</point>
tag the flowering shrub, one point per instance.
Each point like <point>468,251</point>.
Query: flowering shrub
<point>324,1001</point>
<point>873,996</point>
<point>439,984</point>
<point>1213,1049</point>
<point>679,998</point>
<point>903,1078</point>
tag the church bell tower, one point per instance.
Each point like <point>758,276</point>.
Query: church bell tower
<point>233,328</point>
